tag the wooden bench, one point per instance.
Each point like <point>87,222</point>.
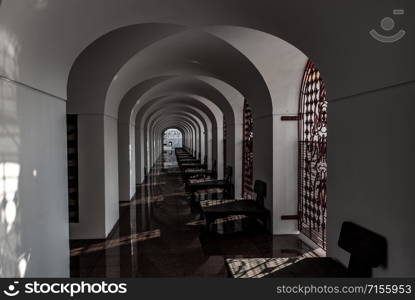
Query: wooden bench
<point>204,184</point>
<point>251,208</point>
<point>184,156</point>
<point>188,162</point>
<point>186,166</point>
<point>196,173</point>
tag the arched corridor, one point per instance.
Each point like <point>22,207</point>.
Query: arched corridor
<point>159,235</point>
<point>194,138</point>
<point>172,139</point>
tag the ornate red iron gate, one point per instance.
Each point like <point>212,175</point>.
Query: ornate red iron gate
<point>312,158</point>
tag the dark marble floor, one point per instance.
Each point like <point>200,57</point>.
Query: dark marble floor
<point>160,234</point>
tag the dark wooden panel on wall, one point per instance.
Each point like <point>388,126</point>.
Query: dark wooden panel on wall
<point>289,217</point>
<point>225,132</point>
<point>289,118</point>
<point>247,152</point>
<point>73,188</point>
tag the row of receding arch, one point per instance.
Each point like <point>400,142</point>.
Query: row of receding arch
<point>134,82</point>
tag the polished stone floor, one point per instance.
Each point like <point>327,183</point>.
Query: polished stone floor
<point>160,234</point>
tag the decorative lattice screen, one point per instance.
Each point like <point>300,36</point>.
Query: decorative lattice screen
<point>225,132</point>
<point>247,152</point>
<point>312,149</point>
<point>73,190</point>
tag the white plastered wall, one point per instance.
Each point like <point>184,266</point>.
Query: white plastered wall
<point>282,67</point>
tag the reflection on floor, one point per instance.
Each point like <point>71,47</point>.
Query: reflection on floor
<point>261,267</point>
<point>159,235</point>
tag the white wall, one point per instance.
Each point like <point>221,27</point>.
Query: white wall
<point>126,165</point>
<point>91,174</point>
<point>131,153</point>
<point>111,173</point>
<point>33,173</point>
<point>370,177</point>
<point>98,177</point>
<point>140,158</point>
<point>285,174</point>
<point>275,142</point>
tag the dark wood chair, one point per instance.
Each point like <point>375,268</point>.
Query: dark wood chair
<point>209,183</point>
<point>367,250</point>
<point>251,208</point>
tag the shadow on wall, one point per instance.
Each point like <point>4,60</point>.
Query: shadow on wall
<point>13,258</point>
